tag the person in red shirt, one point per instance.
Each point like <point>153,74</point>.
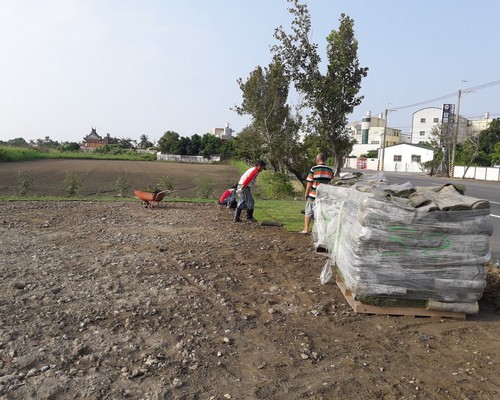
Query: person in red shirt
<point>244,191</point>
<point>228,198</point>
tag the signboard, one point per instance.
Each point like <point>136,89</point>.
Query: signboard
<point>448,113</point>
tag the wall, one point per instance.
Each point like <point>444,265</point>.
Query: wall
<point>352,163</point>
<point>480,173</point>
<point>188,159</point>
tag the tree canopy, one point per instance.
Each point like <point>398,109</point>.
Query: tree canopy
<point>274,128</point>
<point>206,145</point>
<point>329,96</point>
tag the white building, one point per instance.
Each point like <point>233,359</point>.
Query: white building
<point>369,134</point>
<point>223,133</point>
<point>406,157</point>
<point>426,119</point>
<point>423,122</point>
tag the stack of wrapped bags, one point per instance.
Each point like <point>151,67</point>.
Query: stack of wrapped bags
<point>405,242</point>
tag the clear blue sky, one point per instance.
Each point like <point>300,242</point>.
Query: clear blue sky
<point>130,67</point>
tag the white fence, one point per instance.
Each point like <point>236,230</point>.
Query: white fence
<point>480,173</point>
<point>187,159</point>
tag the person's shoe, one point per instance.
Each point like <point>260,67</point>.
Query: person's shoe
<point>237,214</point>
<point>250,217</point>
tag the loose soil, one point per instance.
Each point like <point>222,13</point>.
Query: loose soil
<point>103,300</point>
<point>99,177</point>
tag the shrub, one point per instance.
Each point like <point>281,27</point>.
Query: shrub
<point>122,186</point>
<point>72,184</point>
<point>149,188</point>
<point>275,186</point>
<point>24,184</point>
<point>166,183</point>
<point>205,188</point>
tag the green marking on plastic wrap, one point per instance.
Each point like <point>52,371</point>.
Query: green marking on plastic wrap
<point>325,221</point>
<point>404,241</point>
<point>445,243</point>
<point>398,239</point>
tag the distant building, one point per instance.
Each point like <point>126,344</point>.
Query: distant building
<point>93,140</point>
<point>369,134</point>
<point>475,126</point>
<point>225,133</point>
<point>406,157</point>
<point>426,119</point>
<point>403,151</point>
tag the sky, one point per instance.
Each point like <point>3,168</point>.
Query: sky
<point>132,67</point>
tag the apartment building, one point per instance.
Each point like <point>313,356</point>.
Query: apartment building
<point>369,134</point>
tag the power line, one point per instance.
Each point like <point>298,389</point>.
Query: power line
<point>482,115</point>
<point>484,85</point>
<point>447,96</point>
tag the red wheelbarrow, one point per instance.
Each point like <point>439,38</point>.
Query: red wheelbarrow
<point>148,198</point>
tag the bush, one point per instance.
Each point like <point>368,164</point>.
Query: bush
<point>206,188</point>
<point>24,184</point>
<point>122,186</point>
<point>72,184</point>
<point>166,183</point>
<point>275,186</point>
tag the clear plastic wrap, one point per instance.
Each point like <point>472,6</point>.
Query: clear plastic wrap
<point>384,246</point>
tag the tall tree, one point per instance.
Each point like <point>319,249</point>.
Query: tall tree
<point>168,142</point>
<point>18,142</point>
<point>195,145</point>
<point>470,149</point>
<point>183,146</point>
<point>125,143</point>
<point>47,142</point>
<point>265,95</point>
<point>144,142</point>
<point>332,96</point>
<point>210,145</point>
<point>495,155</point>
<point>249,145</point>
<point>488,138</point>
<point>441,139</point>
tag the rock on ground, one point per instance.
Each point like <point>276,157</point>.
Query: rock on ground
<point>111,300</point>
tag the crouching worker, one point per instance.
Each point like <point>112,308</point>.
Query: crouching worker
<point>228,198</point>
<point>244,191</point>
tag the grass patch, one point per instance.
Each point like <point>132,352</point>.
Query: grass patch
<point>287,212</point>
<point>21,154</point>
<point>12,154</point>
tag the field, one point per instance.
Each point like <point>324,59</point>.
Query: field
<point>109,300</point>
<point>99,177</point>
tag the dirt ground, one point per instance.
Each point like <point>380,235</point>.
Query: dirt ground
<point>99,177</point>
<point>115,301</point>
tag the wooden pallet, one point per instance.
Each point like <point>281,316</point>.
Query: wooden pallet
<point>360,308</point>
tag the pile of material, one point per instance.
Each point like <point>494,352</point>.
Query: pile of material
<point>419,243</point>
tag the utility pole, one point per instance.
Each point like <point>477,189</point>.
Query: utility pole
<point>383,140</point>
<point>455,138</point>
